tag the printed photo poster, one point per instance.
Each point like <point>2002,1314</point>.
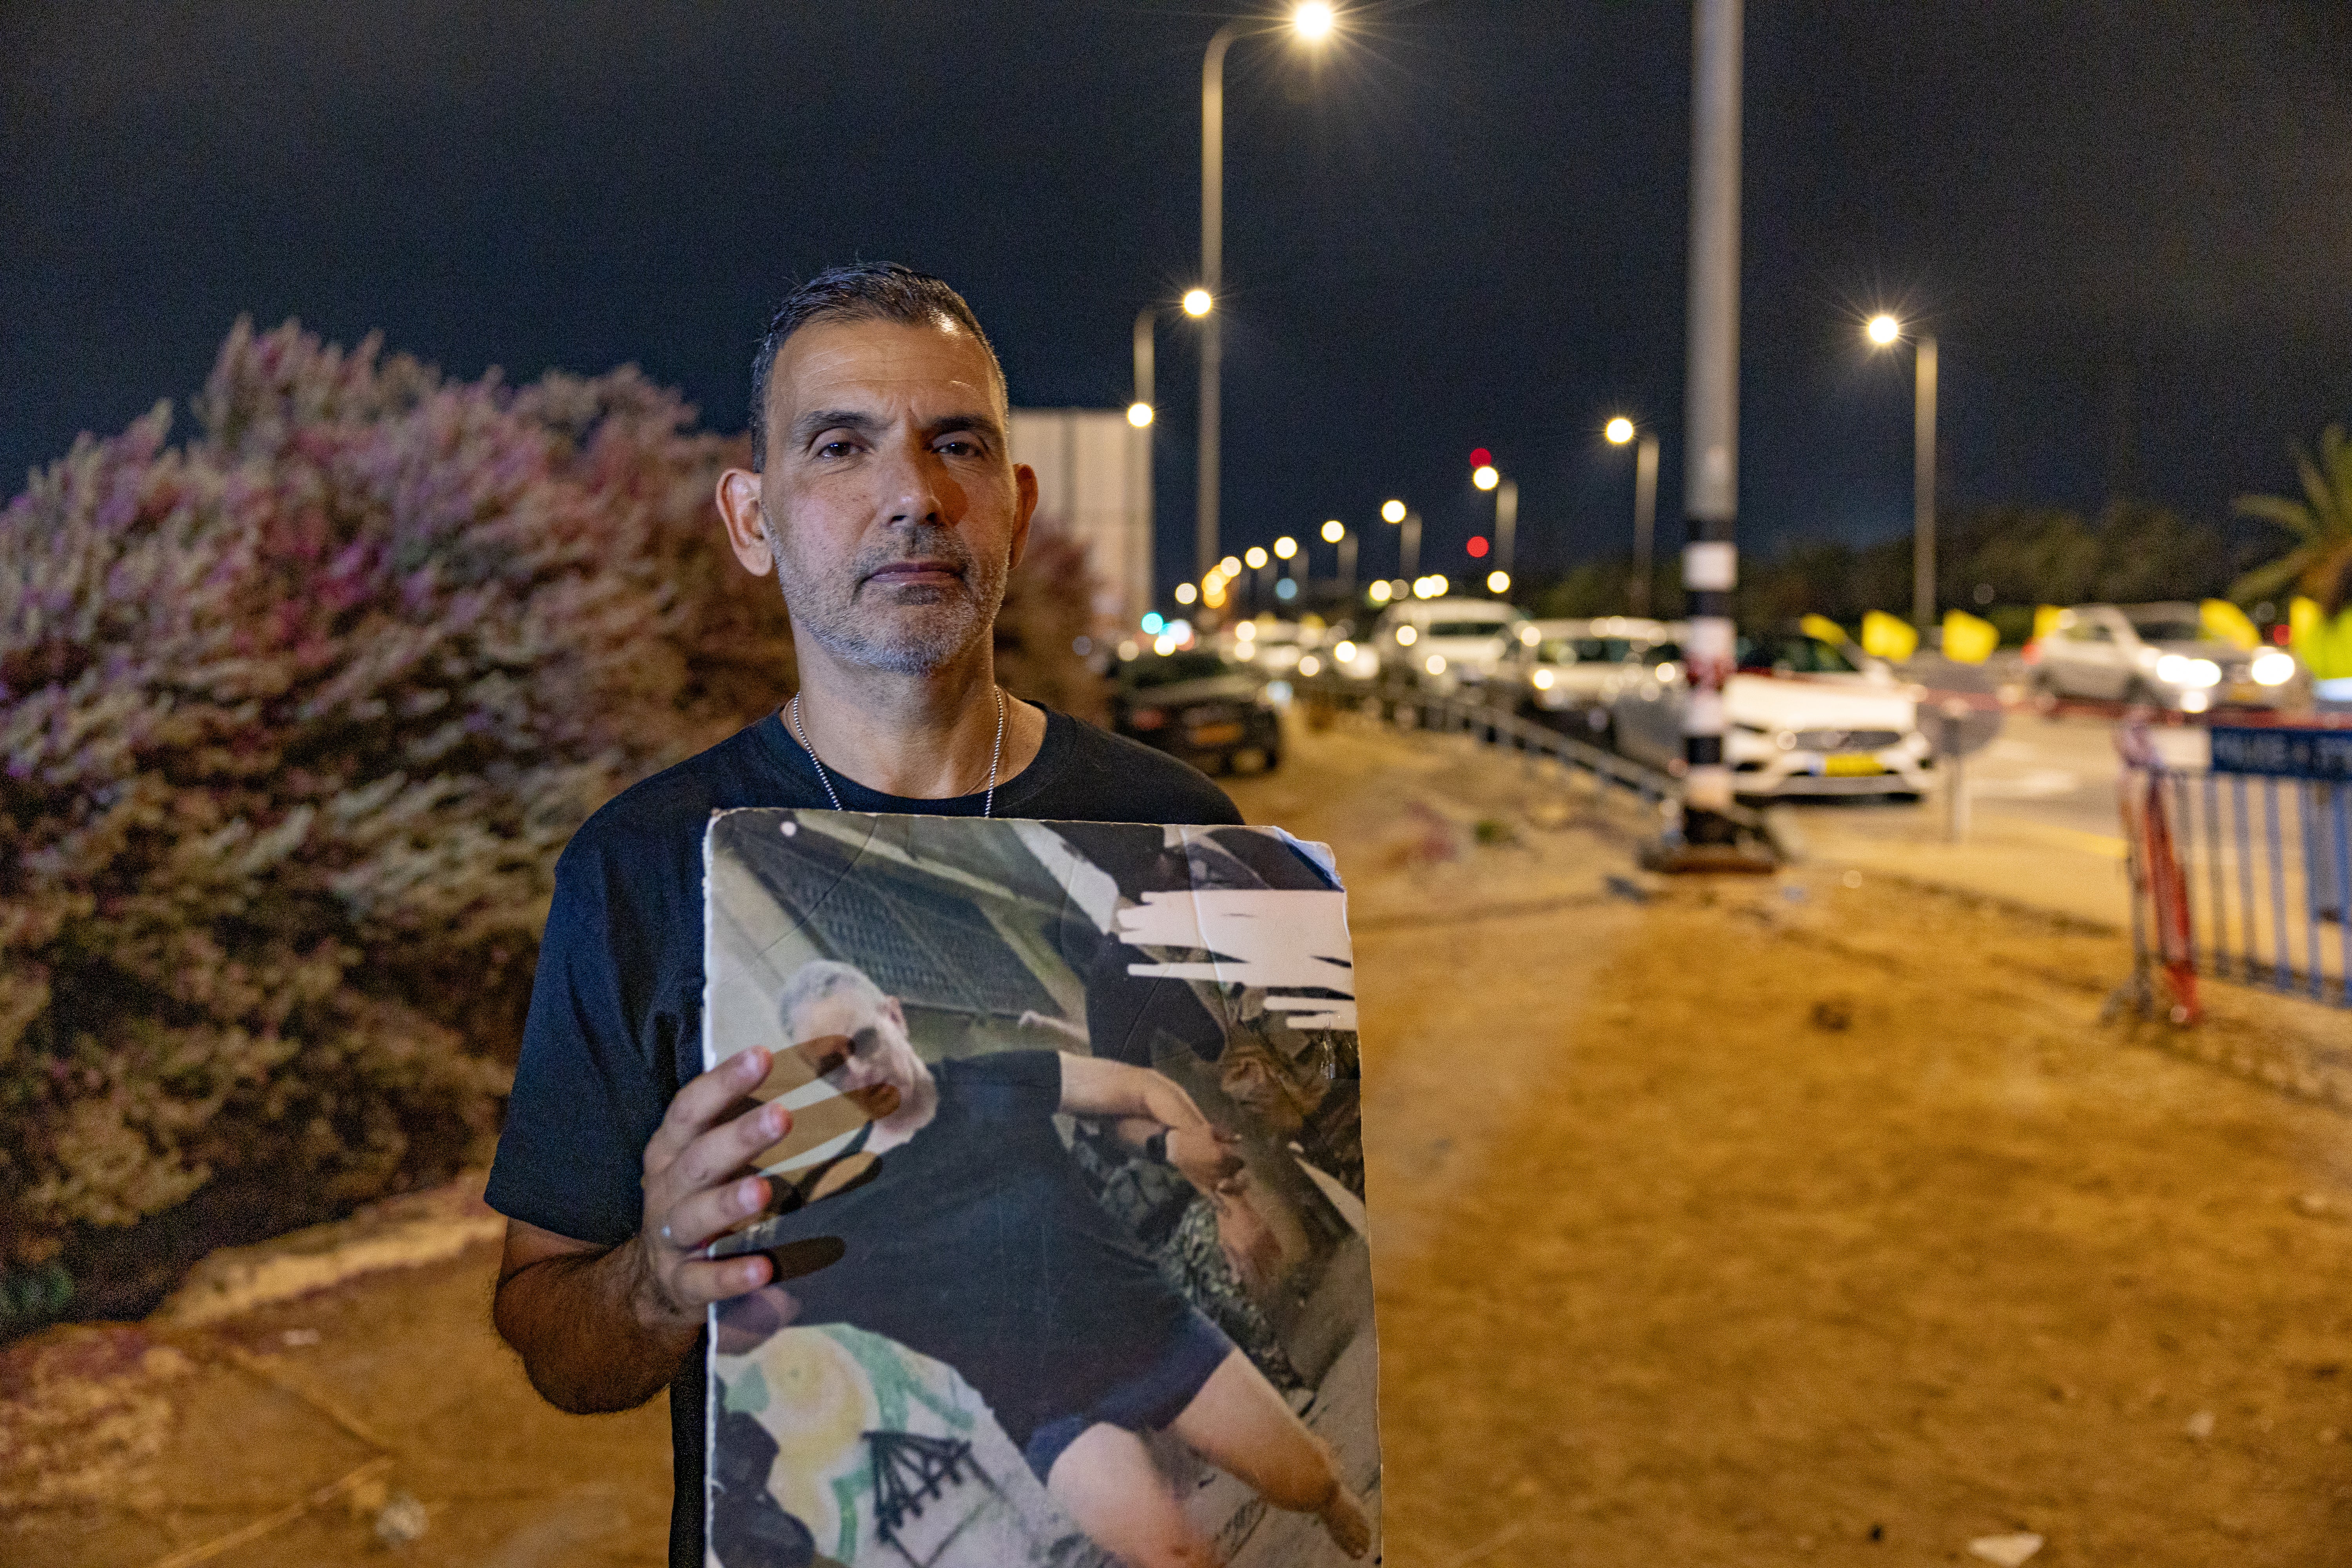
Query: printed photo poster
<point>1072,1261</point>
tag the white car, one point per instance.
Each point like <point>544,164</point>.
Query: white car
<point>1570,670</point>
<point>1784,735</point>
<point>2158,654</point>
<point>1444,643</point>
<point>1274,646</point>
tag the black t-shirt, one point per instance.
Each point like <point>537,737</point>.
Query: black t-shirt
<point>615,1023</point>
<point>977,1244</point>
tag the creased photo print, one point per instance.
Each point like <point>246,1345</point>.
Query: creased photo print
<point>1071,1254</point>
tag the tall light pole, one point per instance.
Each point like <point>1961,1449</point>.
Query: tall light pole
<point>1139,412</point>
<point>1312,22</point>
<point>1337,532</point>
<point>1409,543</point>
<point>1487,476</point>
<point>1884,332</point>
<point>1711,411</point>
<point>1646,506</point>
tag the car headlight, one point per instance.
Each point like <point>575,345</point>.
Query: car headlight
<point>2179,669</point>
<point>1436,665</point>
<point>1345,653</point>
<point>1540,680</point>
<point>2273,668</point>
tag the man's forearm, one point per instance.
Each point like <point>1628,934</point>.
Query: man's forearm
<point>591,1337</point>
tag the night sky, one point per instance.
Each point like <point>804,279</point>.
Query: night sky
<point>2131,225</point>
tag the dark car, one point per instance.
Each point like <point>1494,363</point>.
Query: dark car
<point>1200,707</point>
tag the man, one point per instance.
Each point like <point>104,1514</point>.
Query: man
<point>882,496</point>
<point>1080,1348</point>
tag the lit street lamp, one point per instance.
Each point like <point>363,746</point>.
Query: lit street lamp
<point>1409,543</point>
<point>1336,533</point>
<point>1620,430</point>
<point>1313,23</point>
<point>1883,331</point>
<point>1487,476</point>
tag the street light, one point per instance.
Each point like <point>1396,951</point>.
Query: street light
<point>1314,23</point>
<point>1620,430</point>
<point>1486,477</point>
<point>1336,533</point>
<point>1286,547</point>
<point>1198,302</point>
<point>1883,331</point>
<point>1409,543</point>
<point>1186,592</point>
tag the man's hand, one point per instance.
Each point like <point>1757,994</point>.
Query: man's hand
<point>605,1327</point>
<point>695,1188</point>
<point>1205,1155</point>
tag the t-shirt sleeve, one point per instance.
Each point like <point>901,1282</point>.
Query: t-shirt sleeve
<point>1012,1086</point>
<point>595,1074</point>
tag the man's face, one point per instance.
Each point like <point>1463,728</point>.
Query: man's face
<point>891,506</point>
<point>880,1051</point>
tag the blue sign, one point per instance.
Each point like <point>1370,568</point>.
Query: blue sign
<point>2284,754</point>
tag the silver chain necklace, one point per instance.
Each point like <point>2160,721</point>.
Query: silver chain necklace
<point>995,757</point>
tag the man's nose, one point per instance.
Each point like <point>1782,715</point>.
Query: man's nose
<point>915,493</point>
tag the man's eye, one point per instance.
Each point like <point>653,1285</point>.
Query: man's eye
<point>960,447</point>
<point>834,449</point>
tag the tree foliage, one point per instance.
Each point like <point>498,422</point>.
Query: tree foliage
<point>2319,565</point>
<point>295,718</point>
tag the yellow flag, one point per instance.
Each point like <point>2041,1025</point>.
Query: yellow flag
<point>1889,637</point>
<point>1823,629</point>
<point>2323,646</point>
<point>2045,620</point>
<point>2224,622</point>
<point>1968,639</point>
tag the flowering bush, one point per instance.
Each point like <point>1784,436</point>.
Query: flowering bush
<point>295,718</point>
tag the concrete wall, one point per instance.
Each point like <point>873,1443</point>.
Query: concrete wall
<point>1094,484</point>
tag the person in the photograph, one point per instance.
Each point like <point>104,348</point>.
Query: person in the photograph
<point>881,492</point>
<point>976,1244</point>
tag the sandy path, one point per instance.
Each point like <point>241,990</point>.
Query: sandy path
<point>1728,1226</point>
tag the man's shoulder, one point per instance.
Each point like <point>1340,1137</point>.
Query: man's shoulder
<point>668,811</point>
<point>1098,776</point>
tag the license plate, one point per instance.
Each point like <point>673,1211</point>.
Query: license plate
<point>1216,735</point>
<point>1852,767</point>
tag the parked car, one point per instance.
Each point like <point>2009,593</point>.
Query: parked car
<point>1273,646</point>
<point>1210,710</point>
<point>1566,672</point>
<point>1444,643</point>
<point>1784,734</point>
<point>2157,654</point>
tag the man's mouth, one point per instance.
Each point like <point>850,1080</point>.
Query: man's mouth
<point>921,574</point>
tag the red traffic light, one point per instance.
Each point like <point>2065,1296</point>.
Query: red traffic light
<point>1480,457</point>
<point>1477,547</point>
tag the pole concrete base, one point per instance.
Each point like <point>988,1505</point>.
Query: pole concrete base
<point>1677,857</point>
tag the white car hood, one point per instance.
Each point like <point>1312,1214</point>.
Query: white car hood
<point>1779,702</point>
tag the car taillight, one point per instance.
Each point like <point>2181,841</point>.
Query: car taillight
<point>2032,652</point>
<point>1146,719</point>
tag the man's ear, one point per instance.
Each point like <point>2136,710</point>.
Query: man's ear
<point>739,505</point>
<point>1025,508</point>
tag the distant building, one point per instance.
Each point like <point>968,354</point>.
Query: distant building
<point>1094,485</point>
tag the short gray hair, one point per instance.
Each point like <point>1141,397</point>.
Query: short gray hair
<point>862,292</point>
<point>820,978</point>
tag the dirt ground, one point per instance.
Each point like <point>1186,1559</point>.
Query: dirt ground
<point>1730,1221</point>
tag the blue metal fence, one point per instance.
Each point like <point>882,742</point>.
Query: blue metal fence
<point>2240,871</point>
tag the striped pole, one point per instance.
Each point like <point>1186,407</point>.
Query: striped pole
<point>1711,416</point>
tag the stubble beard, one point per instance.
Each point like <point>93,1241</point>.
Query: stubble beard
<point>914,629</point>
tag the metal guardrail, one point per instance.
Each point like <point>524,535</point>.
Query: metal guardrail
<point>1448,713</point>
<point>2243,872</point>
